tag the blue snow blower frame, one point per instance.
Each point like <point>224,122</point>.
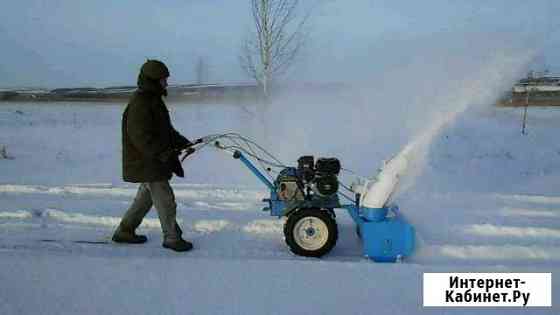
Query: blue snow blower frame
<point>385,234</point>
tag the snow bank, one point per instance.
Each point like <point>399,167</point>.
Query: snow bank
<point>531,198</point>
<point>511,231</point>
<point>202,196</point>
<point>60,190</point>
<point>265,227</point>
<point>16,215</point>
<point>210,226</point>
<point>500,253</point>
<point>106,221</point>
<point>95,190</point>
<point>542,213</point>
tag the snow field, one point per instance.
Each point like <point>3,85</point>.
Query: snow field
<point>467,218</point>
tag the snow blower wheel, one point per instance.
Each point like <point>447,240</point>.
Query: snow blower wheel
<point>310,232</point>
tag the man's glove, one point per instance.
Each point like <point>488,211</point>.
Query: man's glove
<point>181,145</point>
<point>185,145</point>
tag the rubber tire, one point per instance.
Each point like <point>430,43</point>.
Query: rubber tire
<point>322,215</point>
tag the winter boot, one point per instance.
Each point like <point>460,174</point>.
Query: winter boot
<point>123,235</point>
<point>178,245</point>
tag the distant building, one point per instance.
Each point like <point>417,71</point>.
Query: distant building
<point>537,89</point>
<point>538,83</point>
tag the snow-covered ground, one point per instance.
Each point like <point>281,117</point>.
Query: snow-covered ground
<point>485,200</point>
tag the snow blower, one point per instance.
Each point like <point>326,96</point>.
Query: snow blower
<point>308,194</point>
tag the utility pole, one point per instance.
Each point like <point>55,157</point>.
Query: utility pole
<point>528,90</point>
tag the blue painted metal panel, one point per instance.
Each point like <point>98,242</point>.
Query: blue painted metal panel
<point>366,214</point>
<point>353,211</point>
<point>387,240</point>
<point>276,206</point>
<point>373,214</point>
<point>384,240</point>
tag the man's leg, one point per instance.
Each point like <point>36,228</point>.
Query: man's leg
<point>164,202</point>
<point>134,216</point>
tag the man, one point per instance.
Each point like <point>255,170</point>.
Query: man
<point>150,155</point>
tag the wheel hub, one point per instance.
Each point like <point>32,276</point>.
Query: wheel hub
<point>311,233</point>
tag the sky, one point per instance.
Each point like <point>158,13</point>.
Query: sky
<point>60,43</point>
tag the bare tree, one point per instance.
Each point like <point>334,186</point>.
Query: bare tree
<point>271,48</point>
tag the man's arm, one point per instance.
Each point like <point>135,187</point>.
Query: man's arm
<point>180,141</point>
<point>141,130</point>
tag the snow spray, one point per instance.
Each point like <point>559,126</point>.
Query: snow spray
<point>504,68</point>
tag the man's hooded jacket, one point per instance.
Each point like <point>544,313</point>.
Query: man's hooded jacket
<point>147,134</point>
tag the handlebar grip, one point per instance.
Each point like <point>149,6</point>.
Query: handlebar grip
<point>188,152</point>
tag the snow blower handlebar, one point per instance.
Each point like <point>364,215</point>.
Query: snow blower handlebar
<point>238,155</point>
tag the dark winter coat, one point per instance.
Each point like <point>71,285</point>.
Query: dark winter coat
<point>148,136</point>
